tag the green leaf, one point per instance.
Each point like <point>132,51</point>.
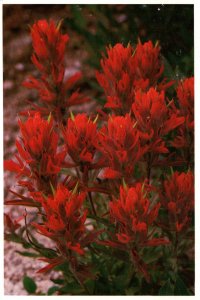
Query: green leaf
<point>16,239</point>
<point>52,290</point>
<point>180,287</point>
<point>150,255</point>
<point>52,188</point>
<point>90,284</point>
<point>49,118</point>
<point>72,288</point>
<point>29,254</point>
<point>166,289</point>
<point>29,285</point>
<point>57,280</point>
<point>49,253</point>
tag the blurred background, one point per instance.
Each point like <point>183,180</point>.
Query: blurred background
<point>91,28</point>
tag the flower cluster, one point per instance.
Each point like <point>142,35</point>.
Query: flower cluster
<point>133,217</point>
<point>154,118</point>
<point>133,213</point>
<point>104,182</point>
<point>48,57</point>
<point>128,69</point>
<point>120,146</point>
<point>80,136</point>
<point>37,158</point>
<point>178,199</point>
<point>185,136</point>
<point>65,220</point>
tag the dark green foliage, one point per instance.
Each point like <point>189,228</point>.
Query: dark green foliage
<point>29,285</point>
<point>52,290</point>
<point>126,23</point>
<point>177,288</point>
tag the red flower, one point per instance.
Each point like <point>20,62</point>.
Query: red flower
<point>65,219</point>
<point>154,118</point>
<point>120,147</point>
<point>184,138</point>
<point>133,214</point>
<point>185,94</point>
<point>80,136</point>
<point>147,64</point>
<point>126,70</point>
<point>118,77</point>
<point>37,153</point>
<point>11,225</point>
<point>48,57</point>
<point>178,199</point>
<point>185,134</point>
<point>49,48</point>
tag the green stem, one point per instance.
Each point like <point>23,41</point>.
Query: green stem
<point>79,281</point>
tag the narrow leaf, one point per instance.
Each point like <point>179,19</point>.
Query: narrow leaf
<point>29,285</point>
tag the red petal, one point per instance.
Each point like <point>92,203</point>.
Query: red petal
<point>55,262</point>
<point>111,174</point>
<point>155,242</point>
<point>72,80</point>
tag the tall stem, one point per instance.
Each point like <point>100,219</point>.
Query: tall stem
<point>148,167</point>
<point>79,281</point>
<point>92,204</point>
<point>85,181</point>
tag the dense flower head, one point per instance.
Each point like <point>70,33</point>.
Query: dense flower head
<point>185,94</point>
<point>48,56</point>
<point>154,118</point>
<point>126,70</point>
<point>80,136</point>
<point>178,198</point>
<point>37,136</point>
<point>117,77</point>
<point>185,134</point>
<point>49,47</point>
<point>65,216</point>
<point>147,64</point>
<point>37,149</point>
<point>120,146</point>
<point>133,214</point>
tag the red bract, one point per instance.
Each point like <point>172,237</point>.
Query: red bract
<point>154,118</point>
<point>80,137</point>
<point>184,138</point>
<point>37,153</point>
<point>49,48</point>
<point>120,147</point>
<point>133,215</point>
<point>178,199</point>
<point>65,220</point>
<point>147,64</point>
<point>133,218</point>
<point>48,57</point>
<point>11,225</point>
<point>117,78</point>
<point>185,94</point>
<point>126,70</point>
